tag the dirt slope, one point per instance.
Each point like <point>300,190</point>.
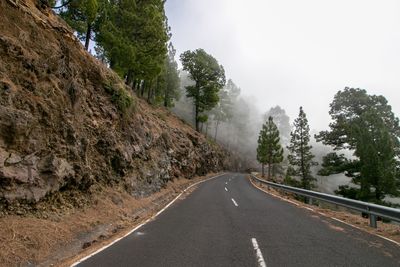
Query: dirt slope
<point>61,128</point>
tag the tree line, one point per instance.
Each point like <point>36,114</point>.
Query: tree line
<point>132,38</point>
<point>361,123</point>
<point>232,122</point>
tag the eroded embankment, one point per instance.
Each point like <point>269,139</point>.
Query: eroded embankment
<point>67,122</point>
<point>80,155</point>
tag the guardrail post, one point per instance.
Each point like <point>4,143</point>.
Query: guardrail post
<point>372,220</point>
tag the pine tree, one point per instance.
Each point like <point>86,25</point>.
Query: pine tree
<point>172,82</point>
<point>281,120</point>
<point>269,150</point>
<point>209,78</point>
<point>81,16</point>
<point>377,157</point>
<point>134,36</point>
<point>223,111</point>
<point>367,125</point>
<point>114,34</point>
<point>300,156</point>
<point>150,36</point>
<point>237,129</point>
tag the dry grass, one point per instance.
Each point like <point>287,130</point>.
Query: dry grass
<point>28,239</point>
<point>61,236</point>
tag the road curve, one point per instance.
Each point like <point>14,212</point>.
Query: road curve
<point>228,222</point>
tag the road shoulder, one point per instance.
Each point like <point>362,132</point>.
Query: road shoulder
<point>388,232</point>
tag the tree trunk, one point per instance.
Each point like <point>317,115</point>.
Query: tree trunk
<point>129,78</point>
<point>378,194</point>
<point>216,130</point>
<point>269,171</point>
<point>196,117</point>
<point>303,171</point>
<point>134,84</point>
<point>143,86</point>
<point>230,137</point>
<point>262,170</point>
<point>166,97</point>
<point>88,35</point>
<point>151,92</point>
<point>273,170</point>
<point>112,63</point>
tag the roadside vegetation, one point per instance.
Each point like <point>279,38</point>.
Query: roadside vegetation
<point>362,124</point>
<point>133,38</point>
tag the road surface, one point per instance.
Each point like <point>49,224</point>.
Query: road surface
<point>228,222</point>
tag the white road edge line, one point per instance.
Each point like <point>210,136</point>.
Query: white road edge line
<point>294,203</point>
<point>226,189</point>
<point>388,239</point>
<point>325,215</point>
<point>269,193</point>
<point>140,225</point>
<point>361,229</point>
<point>381,236</point>
<point>338,220</point>
<point>260,258</point>
<point>234,202</point>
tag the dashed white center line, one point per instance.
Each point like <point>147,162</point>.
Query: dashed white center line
<point>260,258</point>
<point>226,182</point>
<point>226,189</point>
<point>234,202</point>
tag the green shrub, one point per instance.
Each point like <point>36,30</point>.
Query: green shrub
<point>122,100</point>
<point>120,97</point>
<point>162,116</point>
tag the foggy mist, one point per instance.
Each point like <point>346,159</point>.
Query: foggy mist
<point>289,54</point>
<point>293,53</point>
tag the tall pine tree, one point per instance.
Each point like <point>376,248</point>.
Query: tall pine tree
<point>134,35</point>
<point>209,78</point>
<point>223,111</point>
<point>367,125</point>
<point>300,156</point>
<point>172,82</point>
<point>116,26</point>
<point>282,122</point>
<point>81,15</point>
<point>269,150</point>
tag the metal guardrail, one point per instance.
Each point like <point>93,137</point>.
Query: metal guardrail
<point>372,210</point>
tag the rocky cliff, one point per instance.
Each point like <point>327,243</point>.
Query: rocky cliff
<point>67,122</point>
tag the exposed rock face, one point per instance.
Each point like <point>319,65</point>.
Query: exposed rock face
<point>59,128</point>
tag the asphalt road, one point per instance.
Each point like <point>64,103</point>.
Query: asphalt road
<point>228,222</point>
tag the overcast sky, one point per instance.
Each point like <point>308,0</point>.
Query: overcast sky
<point>292,53</point>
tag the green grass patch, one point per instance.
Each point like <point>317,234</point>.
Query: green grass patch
<point>162,116</point>
<point>120,97</point>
